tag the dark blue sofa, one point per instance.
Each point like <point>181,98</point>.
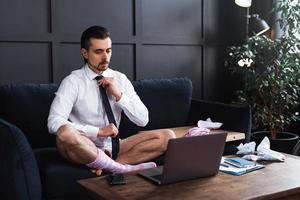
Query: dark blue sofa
<point>31,167</point>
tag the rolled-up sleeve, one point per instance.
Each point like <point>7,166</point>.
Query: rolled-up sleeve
<point>132,105</point>
<point>62,105</point>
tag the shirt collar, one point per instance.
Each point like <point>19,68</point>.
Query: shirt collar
<point>91,74</point>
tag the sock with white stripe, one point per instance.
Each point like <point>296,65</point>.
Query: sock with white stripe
<point>103,161</point>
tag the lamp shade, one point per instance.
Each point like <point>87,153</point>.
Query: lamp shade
<point>243,3</point>
<point>258,25</point>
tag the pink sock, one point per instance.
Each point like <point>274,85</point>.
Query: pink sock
<point>105,162</point>
<point>197,131</point>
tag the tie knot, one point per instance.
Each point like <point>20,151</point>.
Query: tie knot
<point>98,77</point>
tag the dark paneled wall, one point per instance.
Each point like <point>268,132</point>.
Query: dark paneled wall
<point>39,39</point>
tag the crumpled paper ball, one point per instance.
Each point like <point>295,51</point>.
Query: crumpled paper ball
<point>263,151</point>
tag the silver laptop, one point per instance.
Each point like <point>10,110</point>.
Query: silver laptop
<point>189,158</point>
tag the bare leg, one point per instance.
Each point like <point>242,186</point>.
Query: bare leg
<point>74,146</point>
<point>144,146</point>
<point>80,149</point>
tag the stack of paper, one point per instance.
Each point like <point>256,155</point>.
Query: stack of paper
<point>238,169</point>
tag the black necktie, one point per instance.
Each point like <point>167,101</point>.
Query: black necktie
<point>114,140</point>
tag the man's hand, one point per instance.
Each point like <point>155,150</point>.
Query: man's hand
<point>111,87</point>
<point>108,131</point>
<point>98,172</point>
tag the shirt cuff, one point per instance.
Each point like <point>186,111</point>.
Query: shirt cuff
<point>91,132</point>
<point>123,101</point>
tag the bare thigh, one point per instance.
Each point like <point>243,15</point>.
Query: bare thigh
<point>143,136</point>
<point>67,141</point>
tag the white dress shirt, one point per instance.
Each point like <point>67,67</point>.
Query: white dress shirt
<point>78,103</point>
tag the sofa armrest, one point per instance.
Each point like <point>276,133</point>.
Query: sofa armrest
<point>19,172</point>
<point>234,117</point>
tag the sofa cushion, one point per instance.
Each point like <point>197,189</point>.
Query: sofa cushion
<point>168,102</point>
<point>18,170</point>
<point>27,106</point>
<point>58,176</point>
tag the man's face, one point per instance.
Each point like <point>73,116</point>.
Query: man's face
<point>99,54</point>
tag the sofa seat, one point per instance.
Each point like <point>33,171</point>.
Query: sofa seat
<point>59,176</point>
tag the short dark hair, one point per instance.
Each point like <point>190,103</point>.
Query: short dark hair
<point>98,32</point>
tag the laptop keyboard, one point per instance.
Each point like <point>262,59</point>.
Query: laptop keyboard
<point>157,177</point>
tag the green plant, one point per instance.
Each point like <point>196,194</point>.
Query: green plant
<point>289,20</point>
<point>270,72</point>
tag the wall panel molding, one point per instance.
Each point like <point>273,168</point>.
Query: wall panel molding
<point>151,39</point>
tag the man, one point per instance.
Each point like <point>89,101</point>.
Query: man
<point>79,120</point>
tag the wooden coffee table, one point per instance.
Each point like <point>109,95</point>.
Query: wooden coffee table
<point>276,181</point>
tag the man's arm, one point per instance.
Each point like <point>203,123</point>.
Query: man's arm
<point>61,108</point>
<point>132,105</point>
<point>127,100</point>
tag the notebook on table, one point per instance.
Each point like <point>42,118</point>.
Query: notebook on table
<point>238,166</point>
<point>189,158</point>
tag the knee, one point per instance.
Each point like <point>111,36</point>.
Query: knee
<point>168,134</point>
<point>165,136</point>
<point>66,135</point>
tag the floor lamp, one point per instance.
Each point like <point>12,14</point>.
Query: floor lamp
<point>259,26</point>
